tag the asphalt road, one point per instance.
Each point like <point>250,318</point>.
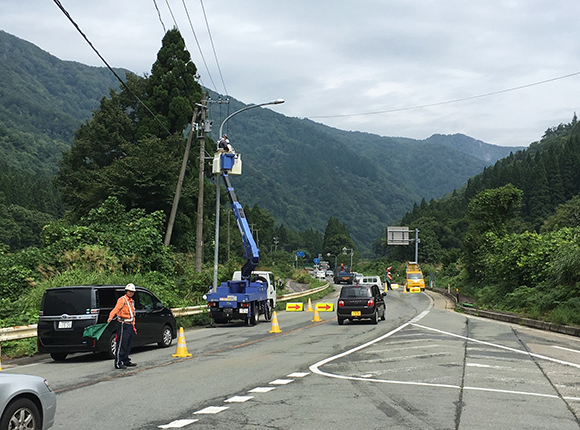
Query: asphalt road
<point>423,368</point>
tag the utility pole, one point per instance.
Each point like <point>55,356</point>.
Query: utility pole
<point>199,232</point>
<point>180,182</point>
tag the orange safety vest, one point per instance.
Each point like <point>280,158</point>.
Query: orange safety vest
<point>124,309</point>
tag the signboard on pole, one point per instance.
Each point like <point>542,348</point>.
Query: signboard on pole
<point>397,235</point>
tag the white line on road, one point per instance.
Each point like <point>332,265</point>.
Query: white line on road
<point>566,349</point>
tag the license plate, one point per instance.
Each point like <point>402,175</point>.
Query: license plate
<point>65,324</point>
<point>355,313</point>
<point>243,310</point>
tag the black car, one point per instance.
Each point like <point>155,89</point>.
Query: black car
<point>65,312</point>
<point>361,302</point>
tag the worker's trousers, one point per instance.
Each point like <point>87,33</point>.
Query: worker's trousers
<point>124,338</point>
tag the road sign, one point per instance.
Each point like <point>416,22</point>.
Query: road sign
<point>316,260</point>
<point>325,307</point>
<point>294,307</point>
<point>415,289</point>
<point>397,235</point>
<point>300,254</point>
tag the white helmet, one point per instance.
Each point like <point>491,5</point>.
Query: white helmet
<point>130,287</point>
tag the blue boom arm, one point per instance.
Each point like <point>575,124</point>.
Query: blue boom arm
<point>251,251</point>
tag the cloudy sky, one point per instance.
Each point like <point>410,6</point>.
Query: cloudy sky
<point>407,68</point>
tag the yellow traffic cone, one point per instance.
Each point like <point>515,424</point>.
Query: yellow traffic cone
<point>181,346</point>
<point>309,309</point>
<point>316,316</point>
<point>275,327</point>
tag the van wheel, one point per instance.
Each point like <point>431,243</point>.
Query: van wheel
<point>112,346</point>
<point>58,356</point>
<point>166,337</point>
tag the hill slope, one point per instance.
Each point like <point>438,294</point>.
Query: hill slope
<point>302,171</point>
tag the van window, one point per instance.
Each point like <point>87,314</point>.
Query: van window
<point>107,298</point>
<point>144,301</point>
<point>66,301</point>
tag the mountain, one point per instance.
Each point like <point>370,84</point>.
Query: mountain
<point>302,171</point>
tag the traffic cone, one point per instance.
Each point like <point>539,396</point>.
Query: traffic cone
<point>275,327</point>
<point>181,346</point>
<point>309,309</point>
<point>316,316</point>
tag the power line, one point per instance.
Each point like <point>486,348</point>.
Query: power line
<point>61,7</point>
<point>198,46</point>
<point>171,12</point>
<point>159,15</point>
<point>449,101</point>
<point>213,48</point>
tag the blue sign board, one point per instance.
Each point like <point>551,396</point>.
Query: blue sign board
<point>316,260</point>
<point>299,253</point>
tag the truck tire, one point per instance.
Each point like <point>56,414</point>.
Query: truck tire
<point>251,318</point>
<point>268,310</point>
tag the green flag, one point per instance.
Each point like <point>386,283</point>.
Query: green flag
<point>95,331</point>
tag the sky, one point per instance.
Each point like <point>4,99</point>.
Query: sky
<point>499,71</point>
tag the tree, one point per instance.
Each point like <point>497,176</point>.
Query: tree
<point>124,151</point>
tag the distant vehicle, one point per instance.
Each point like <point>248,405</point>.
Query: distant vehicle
<point>414,277</point>
<point>370,280</point>
<point>356,302</point>
<point>320,274</point>
<point>65,312</point>
<point>329,273</point>
<point>26,402</point>
<point>357,277</point>
<point>343,278</point>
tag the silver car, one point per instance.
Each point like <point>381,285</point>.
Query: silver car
<point>26,402</point>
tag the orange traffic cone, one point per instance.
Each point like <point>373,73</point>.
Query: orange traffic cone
<point>316,316</point>
<point>275,327</point>
<point>181,346</point>
<point>309,309</point>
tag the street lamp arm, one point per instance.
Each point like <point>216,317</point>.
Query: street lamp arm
<point>275,102</point>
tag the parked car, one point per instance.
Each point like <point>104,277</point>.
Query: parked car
<point>361,302</point>
<point>329,273</point>
<point>26,402</point>
<point>65,312</point>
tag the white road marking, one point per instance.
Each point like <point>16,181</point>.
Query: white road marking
<point>261,389</point>
<point>177,424</point>
<point>281,381</point>
<point>507,348</point>
<point>315,368</point>
<point>566,349</point>
<point>238,399</point>
<point>298,374</point>
<point>211,410</point>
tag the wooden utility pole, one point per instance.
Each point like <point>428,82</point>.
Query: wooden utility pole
<point>177,195</point>
<point>199,231</point>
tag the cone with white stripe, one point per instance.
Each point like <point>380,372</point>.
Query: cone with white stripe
<point>275,327</point>
<point>316,316</point>
<point>181,346</point>
<point>309,309</point>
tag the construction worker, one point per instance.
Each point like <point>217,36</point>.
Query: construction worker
<point>124,312</point>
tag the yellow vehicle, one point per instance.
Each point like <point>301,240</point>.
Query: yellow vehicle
<point>414,277</point>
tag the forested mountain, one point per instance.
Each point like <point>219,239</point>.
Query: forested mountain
<point>302,171</point>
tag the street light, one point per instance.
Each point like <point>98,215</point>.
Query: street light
<point>332,255</point>
<point>344,252</point>
<point>217,197</point>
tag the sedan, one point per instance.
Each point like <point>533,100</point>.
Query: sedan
<point>26,402</point>
<point>361,302</point>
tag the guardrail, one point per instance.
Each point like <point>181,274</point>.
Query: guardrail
<point>28,331</point>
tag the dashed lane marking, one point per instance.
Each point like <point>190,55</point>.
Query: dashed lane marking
<point>211,410</point>
<point>177,424</point>
<point>281,381</point>
<point>261,389</point>
<point>238,399</point>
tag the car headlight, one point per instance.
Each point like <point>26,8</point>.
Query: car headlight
<point>47,386</point>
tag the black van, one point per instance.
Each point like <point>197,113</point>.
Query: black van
<point>65,312</point>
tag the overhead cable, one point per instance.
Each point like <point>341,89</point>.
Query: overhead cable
<point>61,7</point>
<point>199,46</point>
<point>213,48</point>
<point>159,15</point>
<point>449,101</point>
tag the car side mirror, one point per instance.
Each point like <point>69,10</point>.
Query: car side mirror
<point>159,305</point>
<point>384,293</point>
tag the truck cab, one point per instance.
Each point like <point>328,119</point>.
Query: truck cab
<point>261,276</point>
<point>414,277</point>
